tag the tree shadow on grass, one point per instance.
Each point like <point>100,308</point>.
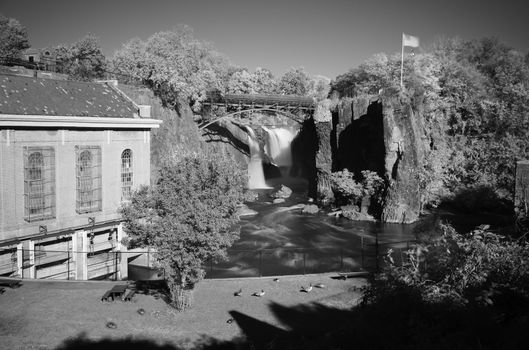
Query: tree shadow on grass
<point>400,321</point>
<point>82,342</point>
<point>158,289</point>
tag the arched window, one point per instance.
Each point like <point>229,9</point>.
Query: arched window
<point>126,174</point>
<point>39,183</point>
<point>88,179</point>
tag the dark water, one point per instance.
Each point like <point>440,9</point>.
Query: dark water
<point>280,240</point>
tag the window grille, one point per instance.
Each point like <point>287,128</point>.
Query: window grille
<point>126,174</point>
<point>88,171</point>
<point>39,183</point>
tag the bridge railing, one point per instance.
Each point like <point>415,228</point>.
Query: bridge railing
<point>261,100</point>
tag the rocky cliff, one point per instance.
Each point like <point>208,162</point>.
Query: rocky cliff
<point>381,135</point>
<point>403,160</point>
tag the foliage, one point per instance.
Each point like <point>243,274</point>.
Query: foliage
<point>349,192</point>
<point>346,189</point>
<point>188,217</point>
<point>477,268</point>
<point>472,96</point>
<point>13,37</point>
<point>176,64</point>
<point>295,81</point>
<point>82,60</point>
<point>261,81</point>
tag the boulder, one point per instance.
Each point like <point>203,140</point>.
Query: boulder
<point>283,192</point>
<point>311,209</point>
<point>278,200</point>
<point>352,212</point>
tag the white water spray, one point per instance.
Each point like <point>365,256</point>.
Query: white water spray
<point>278,147</point>
<point>255,167</point>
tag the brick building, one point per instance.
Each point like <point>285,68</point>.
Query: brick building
<point>70,153</point>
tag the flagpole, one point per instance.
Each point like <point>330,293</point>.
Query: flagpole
<point>402,60</point>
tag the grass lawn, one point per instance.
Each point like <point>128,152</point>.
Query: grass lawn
<point>42,314</point>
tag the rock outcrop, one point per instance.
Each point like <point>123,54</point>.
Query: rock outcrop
<point>324,153</point>
<point>404,153</point>
<point>310,209</point>
<point>324,193</point>
<point>381,135</point>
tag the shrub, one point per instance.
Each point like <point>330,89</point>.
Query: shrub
<point>478,267</point>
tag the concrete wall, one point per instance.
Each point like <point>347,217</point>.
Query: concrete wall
<point>112,143</point>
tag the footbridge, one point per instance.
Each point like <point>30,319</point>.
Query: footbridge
<point>297,108</point>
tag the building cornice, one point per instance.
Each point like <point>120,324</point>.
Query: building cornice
<point>53,121</point>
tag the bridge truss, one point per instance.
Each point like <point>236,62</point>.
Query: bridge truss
<point>290,106</point>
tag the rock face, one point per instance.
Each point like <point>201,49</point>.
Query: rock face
<point>324,193</point>
<point>403,148</point>
<point>381,135</point>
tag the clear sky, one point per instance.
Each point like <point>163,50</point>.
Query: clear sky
<point>327,37</point>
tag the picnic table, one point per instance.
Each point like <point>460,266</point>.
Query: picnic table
<point>116,292</point>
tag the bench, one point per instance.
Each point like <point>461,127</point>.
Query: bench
<point>107,296</point>
<point>11,283</point>
<point>129,295</point>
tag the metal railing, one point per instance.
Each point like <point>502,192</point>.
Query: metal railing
<point>60,264</point>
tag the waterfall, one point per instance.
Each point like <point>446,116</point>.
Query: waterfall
<point>255,167</point>
<point>278,147</point>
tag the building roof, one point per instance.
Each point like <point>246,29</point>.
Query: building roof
<point>47,97</point>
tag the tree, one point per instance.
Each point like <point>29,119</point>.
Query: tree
<point>83,60</point>
<point>13,37</point>
<point>295,81</point>
<point>242,81</point>
<point>265,80</point>
<point>175,64</point>
<point>472,96</point>
<point>188,217</point>
<point>319,87</point>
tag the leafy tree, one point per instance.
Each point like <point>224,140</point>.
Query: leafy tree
<point>13,37</point>
<point>129,62</point>
<point>188,217</point>
<point>350,192</point>
<point>175,64</point>
<point>242,81</point>
<point>472,96</point>
<point>346,189</point>
<point>320,87</point>
<point>265,80</point>
<point>295,81</point>
<point>82,60</point>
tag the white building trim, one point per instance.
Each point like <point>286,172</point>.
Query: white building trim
<point>53,121</point>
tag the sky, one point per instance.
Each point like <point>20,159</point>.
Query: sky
<point>326,37</point>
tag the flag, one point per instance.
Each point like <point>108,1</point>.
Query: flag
<point>409,40</point>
